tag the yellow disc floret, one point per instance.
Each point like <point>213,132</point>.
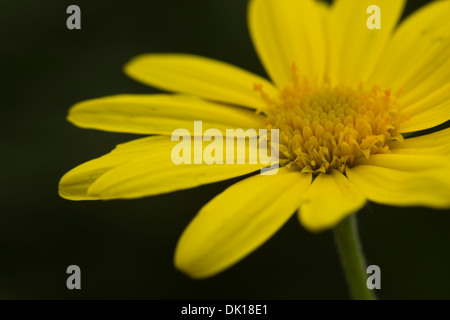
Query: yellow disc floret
<point>324,127</point>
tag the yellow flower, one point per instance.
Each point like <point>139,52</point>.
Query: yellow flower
<point>342,96</point>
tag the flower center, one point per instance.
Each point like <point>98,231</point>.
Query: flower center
<point>324,127</point>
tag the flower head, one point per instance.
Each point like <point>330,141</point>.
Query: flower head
<point>342,96</point>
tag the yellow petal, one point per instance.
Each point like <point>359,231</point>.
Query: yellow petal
<point>159,114</point>
<point>330,199</point>
<point>154,172</point>
<point>324,13</point>
<point>417,57</point>
<point>74,184</point>
<point>238,221</point>
<point>429,80</point>
<point>354,48</point>
<point>198,76</point>
<point>406,162</point>
<point>288,32</point>
<point>437,143</point>
<point>428,112</point>
<point>427,187</point>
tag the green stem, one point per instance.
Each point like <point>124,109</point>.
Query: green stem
<point>352,258</point>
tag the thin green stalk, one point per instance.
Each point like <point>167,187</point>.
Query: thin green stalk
<point>352,258</point>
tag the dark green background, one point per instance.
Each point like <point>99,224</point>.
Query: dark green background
<point>125,248</point>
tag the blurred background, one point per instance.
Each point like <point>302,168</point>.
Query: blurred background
<point>125,248</point>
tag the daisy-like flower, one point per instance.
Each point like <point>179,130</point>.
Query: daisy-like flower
<point>343,97</point>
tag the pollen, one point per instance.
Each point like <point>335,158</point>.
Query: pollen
<point>324,127</point>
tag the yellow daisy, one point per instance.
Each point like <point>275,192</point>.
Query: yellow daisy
<point>343,97</point>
